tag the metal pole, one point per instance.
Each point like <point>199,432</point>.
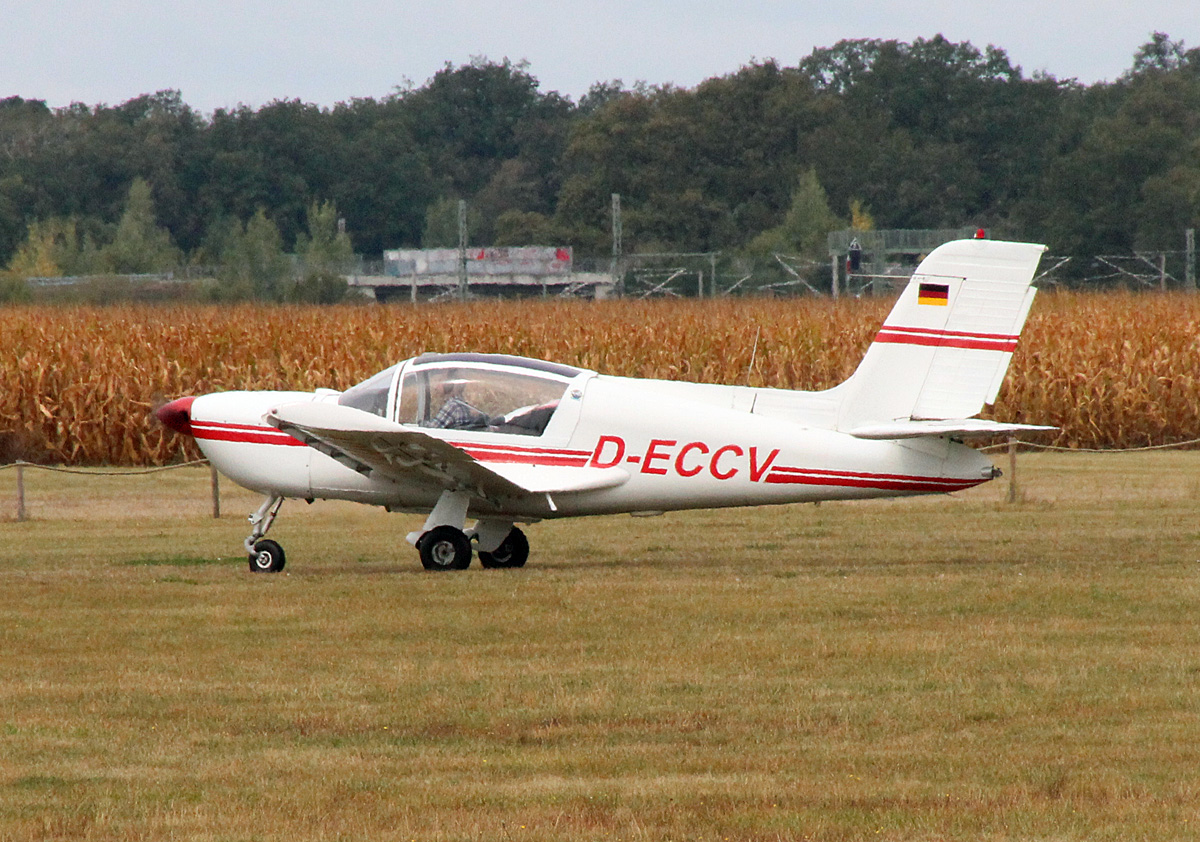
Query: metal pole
<point>1190,238</point>
<point>833,269</point>
<point>618,277</point>
<point>462,249</point>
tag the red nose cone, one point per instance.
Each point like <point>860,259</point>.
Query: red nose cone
<point>177,415</point>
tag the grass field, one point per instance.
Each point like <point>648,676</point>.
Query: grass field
<point>936,668</point>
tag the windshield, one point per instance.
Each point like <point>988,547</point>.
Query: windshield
<point>470,398</point>
<point>371,395</point>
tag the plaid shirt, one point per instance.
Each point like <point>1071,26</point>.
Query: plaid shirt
<point>457,413</point>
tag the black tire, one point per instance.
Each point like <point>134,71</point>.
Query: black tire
<point>268,557</point>
<point>445,548</point>
<point>512,552</point>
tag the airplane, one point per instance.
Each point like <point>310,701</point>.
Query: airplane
<point>506,440</point>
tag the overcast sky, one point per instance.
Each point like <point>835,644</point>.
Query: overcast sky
<point>222,53</point>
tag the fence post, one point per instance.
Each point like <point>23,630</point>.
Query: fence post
<point>21,516</point>
<point>1013,493</point>
<point>216,492</point>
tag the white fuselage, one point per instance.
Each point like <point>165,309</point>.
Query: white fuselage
<point>683,446</point>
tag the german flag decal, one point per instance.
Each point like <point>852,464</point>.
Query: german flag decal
<point>936,294</point>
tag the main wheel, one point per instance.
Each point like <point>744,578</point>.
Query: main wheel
<point>445,548</point>
<point>268,557</point>
<point>512,552</point>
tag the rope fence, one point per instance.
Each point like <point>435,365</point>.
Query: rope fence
<point>1012,446</point>
<point>20,467</point>
<point>1035,446</point>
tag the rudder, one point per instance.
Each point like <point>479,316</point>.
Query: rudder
<point>944,349</point>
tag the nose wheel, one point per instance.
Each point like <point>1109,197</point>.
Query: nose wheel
<point>265,556</point>
<point>268,557</point>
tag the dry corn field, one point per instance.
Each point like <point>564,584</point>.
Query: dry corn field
<point>1111,370</point>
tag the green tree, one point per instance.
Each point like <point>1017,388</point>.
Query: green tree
<point>1160,55</point>
<point>514,188</point>
<point>253,263</point>
<point>325,257</point>
<point>326,247</point>
<point>1170,205</point>
<point>54,247</point>
<point>441,224</point>
<point>470,119</point>
<point>698,170</point>
<point>386,181</point>
<point>930,133</point>
<point>276,158</point>
<point>39,255</point>
<point>525,228</point>
<point>139,245</point>
<point>806,226</point>
<point>1126,178</point>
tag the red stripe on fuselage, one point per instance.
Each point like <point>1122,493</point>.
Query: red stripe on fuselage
<point>250,434</point>
<point>512,454</point>
<point>855,479</point>
<point>242,433</point>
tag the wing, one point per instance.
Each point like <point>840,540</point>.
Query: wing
<point>376,447</point>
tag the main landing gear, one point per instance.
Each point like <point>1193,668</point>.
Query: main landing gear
<point>443,543</point>
<point>449,548</point>
<point>445,548</point>
<point>512,552</point>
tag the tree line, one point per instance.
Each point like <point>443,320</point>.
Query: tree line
<point>883,133</point>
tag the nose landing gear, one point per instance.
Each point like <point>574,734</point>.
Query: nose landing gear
<point>268,557</point>
<point>265,556</point>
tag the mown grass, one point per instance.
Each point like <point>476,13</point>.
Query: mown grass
<point>941,668</point>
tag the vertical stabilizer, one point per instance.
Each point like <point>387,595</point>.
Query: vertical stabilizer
<point>945,347</point>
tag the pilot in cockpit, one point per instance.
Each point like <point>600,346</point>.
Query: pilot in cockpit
<point>455,412</point>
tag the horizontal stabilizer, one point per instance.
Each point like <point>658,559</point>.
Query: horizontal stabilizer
<point>956,428</point>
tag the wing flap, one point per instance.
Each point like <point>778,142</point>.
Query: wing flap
<point>558,479</point>
<point>374,446</point>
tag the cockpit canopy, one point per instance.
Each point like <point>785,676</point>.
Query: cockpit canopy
<point>492,392</point>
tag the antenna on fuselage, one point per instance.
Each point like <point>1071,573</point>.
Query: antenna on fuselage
<point>753,354</point>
